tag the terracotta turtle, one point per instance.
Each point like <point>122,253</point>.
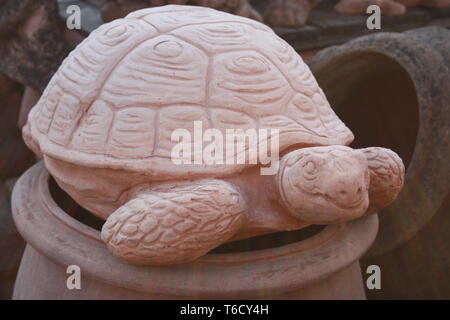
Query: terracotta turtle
<point>104,126</point>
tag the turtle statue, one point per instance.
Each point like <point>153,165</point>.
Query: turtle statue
<point>104,129</point>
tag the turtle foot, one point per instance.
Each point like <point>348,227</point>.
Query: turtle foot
<point>387,174</point>
<point>174,224</point>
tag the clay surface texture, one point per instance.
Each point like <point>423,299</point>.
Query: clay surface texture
<point>104,128</point>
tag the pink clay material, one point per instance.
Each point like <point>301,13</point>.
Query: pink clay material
<point>104,128</point>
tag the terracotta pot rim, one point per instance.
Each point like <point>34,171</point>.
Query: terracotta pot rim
<point>65,241</point>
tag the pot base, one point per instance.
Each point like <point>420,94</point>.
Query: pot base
<point>32,284</point>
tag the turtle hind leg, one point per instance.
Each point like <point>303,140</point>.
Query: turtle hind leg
<point>387,174</point>
<point>172,225</point>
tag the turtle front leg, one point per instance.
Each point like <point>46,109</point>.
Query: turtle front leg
<point>387,174</point>
<point>174,223</point>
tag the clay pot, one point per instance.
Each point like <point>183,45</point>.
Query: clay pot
<point>11,243</point>
<point>393,90</point>
<point>15,159</point>
<point>322,266</point>
<point>31,41</point>
<point>288,13</point>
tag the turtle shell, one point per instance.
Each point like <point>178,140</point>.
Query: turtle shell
<point>117,98</point>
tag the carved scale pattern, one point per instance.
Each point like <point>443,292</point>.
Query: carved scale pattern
<point>185,223</point>
<point>150,73</point>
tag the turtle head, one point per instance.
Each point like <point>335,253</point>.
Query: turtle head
<point>324,185</point>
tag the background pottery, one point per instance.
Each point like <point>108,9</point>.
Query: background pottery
<point>393,90</point>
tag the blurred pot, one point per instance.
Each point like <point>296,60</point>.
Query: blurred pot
<point>11,243</point>
<point>324,266</point>
<point>393,90</point>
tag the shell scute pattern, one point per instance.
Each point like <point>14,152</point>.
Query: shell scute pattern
<point>177,118</point>
<point>132,133</point>
<point>287,60</point>
<point>88,67</point>
<point>302,83</point>
<point>90,136</point>
<point>83,73</point>
<point>215,38</point>
<point>168,18</point>
<point>223,119</point>
<point>226,71</point>
<point>162,70</point>
<point>245,80</point>
<point>48,103</point>
<point>64,121</point>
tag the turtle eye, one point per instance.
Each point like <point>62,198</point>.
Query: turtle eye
<point>310,169</point>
